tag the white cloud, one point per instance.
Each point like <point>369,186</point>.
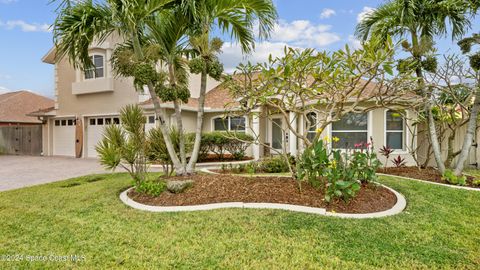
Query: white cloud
<point>364,13</point>
<point>24,26</point>
<point>4,90</point>
<point>327,13</point>
<point>354,42</point>
<point>232,54</point>
<point>303,33</point>
<point>296,34</point>
<point>7,1</point>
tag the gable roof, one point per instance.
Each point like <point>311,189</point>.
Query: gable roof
<point>14,106</point>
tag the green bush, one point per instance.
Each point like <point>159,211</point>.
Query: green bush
<point>221,142</point>
<point>157,149</point>
<point>451,178</point>
<point>151,187</point>
<point>274,165</point>
<point>339,173</point>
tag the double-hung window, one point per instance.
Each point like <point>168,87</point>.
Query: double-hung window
<point>351,131</point>
<point>97,70</point>
<point>230,123</point>
<point>395,129</point>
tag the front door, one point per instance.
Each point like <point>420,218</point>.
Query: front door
<point>277,134</point>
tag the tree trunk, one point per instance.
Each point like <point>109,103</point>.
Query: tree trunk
<point>428,105</point>
<point>468,139</point>
<point>158,110</point>
<point>437,153</point>
<point>450,150</point>
<point>199,128</point>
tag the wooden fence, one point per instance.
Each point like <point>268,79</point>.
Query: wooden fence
<point>21,140</point>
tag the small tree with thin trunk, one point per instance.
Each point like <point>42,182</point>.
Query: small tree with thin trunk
<point>329,84</point>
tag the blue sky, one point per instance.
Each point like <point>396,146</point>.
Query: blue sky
<point>322,24</point>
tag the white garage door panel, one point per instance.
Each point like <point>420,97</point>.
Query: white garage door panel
<point>94,132</point>
<point>94,135</point>
<point>64,140</point>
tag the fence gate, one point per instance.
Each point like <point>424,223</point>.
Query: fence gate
<point>21,140</point>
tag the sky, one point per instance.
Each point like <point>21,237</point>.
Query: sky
<point>25,37</point>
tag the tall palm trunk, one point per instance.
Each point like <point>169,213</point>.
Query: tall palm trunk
<point>432,131</point>
<point>178,118</point>
<point>468,139</point>
<point>199,128</point>
<point>179,169</point>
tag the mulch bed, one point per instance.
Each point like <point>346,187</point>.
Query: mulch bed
<point>226,158</point>
<point>229,188</point>
<point>427,174</point>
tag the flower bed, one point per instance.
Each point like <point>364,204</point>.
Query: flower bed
<point>209,189</point>
<point>428,174</point>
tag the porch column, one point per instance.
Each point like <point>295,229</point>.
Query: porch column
<point>292,138</point>
<point>256,133</point>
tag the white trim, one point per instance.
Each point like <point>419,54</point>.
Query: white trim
<point>405,138</point>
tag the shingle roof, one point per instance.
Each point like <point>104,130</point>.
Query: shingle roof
<point>14,106</point>
<point>217,98</point>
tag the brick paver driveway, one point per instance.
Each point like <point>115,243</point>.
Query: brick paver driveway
<point>23,171</point>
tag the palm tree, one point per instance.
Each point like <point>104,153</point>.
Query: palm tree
<point>237,17</point>
<point>79,24</point>
<point>420,21</point>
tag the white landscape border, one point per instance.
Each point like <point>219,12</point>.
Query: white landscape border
<point>396,209</point>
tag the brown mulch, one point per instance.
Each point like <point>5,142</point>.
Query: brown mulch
<point>226,158</point>
<point>427,174</point>
<point>229,188</point>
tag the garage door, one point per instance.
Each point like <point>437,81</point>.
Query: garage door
<point>95,128</point>
<point>64,137</point>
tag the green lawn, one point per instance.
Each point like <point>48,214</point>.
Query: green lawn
<point>83,216</point>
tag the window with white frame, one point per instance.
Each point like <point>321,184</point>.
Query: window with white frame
<point>351,130</point>
<point>394,129</point>
<point>230,123</point>
<point>97,70</point>
<point>311,125</point>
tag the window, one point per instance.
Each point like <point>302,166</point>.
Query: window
<point>97,70</point>
<point>100,121</point>
<point>234,123</point>
<point>70,122</point>
<point>151,119</point>
<point>64,122</point>
<point>311,124</point>
<point>57,122</point>
<point>92,121</point>
<point>352,129</point>
<point>394,129</point>
<point>108,121</point>
<point>116,120</point>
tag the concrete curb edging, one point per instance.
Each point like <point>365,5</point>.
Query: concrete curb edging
<point>213,165</point>
<point>429,182</point>
<point>396,209</point>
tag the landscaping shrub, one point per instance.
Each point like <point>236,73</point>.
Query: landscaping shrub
<point>157,149</point>
<point>451,178</point>
<point>151,187</point>
<point>399,162</point>
<point>221,142</point>
<point>274,165</point>
<point>339,173</point>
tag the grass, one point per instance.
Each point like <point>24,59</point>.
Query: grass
<point>439,229</point>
